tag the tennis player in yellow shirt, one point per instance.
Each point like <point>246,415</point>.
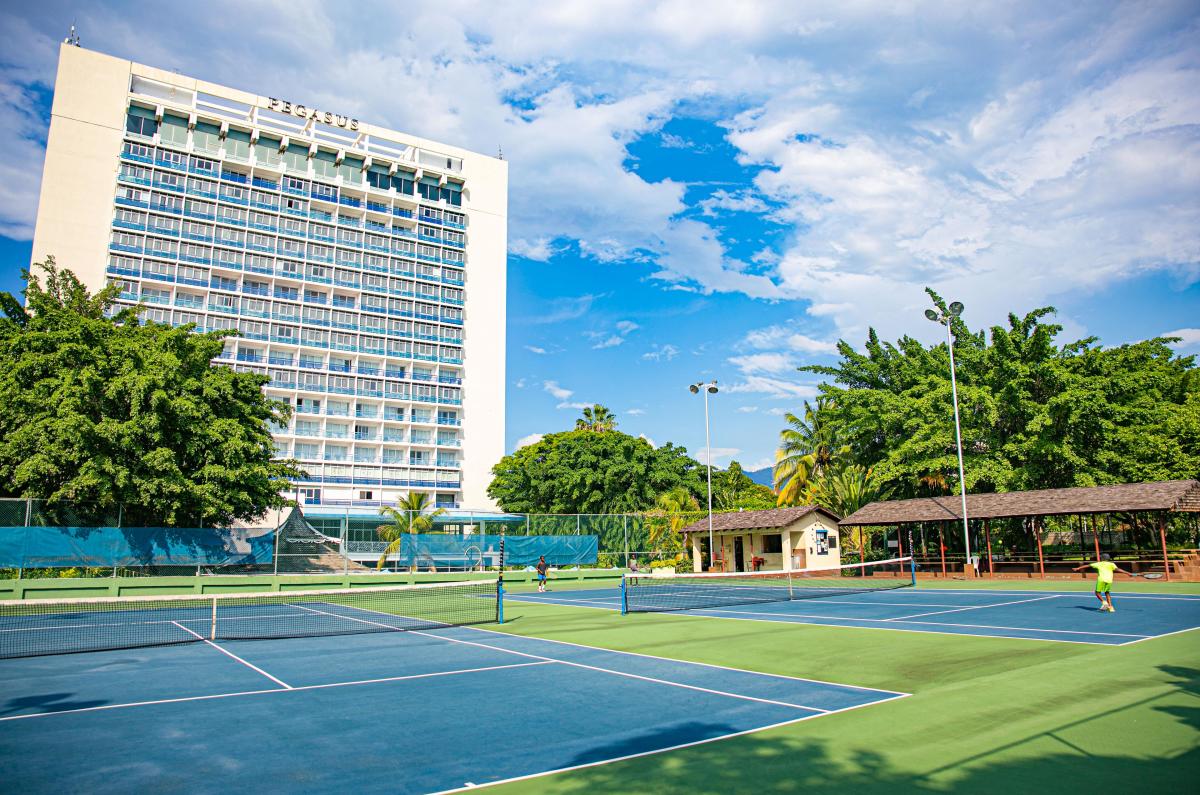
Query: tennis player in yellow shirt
<point>1105,569</point>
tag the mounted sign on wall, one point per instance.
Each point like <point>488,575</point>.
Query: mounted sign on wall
<point>304,112</point>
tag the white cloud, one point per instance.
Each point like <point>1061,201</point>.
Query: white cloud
<point>519,383</point>
<point>783,336</point>
<point>627,326</point>
<point>764,363</point>
<point>609,342</point>
<point>539,250</point>
<point>658,353</point>
<point>635,412</point>
<point>556,391</point>
<point>525,441</point>
<point>773,387</point>
<point>738,201</point>
<point>1189,341</point>
<point>747,409</point>
<point>563,309</point>
<point>536,349</point>
<point>578,406</point>
<point>719,454</point>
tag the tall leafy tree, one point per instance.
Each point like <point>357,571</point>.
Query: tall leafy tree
<point>734,490</point>
<point>99,410</point>
<point>596,418</point>
<point>1036,413</point>
<point>587,472</point>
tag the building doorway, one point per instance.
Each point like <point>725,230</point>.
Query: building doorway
<point>739,558</point>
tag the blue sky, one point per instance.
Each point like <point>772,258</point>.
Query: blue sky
<point>712,190</point>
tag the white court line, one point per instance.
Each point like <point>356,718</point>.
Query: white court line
<point>929,624</point>
<point>512,635</point>
<point>202,619</point>
<point>584,665</point>
<point>1131,594</point>
<point>297,689</point>
<point>663,750</point>
<point>974,607</point>
<point>612,600</point>
<point>1165,634</point>
<point>739,617</point>
<point>228,653</point>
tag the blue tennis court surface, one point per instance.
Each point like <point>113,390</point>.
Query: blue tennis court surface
<point>418,711</point>
<point>1066,616</point>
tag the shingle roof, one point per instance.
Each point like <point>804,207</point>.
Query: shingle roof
<point>757,520</point>
<point>1167,495</point>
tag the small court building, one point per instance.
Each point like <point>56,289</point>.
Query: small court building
<point>780,539</point>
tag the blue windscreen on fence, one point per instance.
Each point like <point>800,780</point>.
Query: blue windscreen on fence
<point>59,547</point>
<point>435,549</point>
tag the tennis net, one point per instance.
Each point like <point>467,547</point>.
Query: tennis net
<point>61,626</point>
<point>642,594</point>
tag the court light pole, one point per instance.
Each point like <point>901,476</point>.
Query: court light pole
<point>953,311</point>
<point>710,387</point>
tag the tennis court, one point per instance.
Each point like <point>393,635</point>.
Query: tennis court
<point>1068,616</point>
<point>331,696</point>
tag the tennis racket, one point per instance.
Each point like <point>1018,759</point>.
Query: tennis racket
<point>1153,575</point>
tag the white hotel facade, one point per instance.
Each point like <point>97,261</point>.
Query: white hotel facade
<point>364,268</point>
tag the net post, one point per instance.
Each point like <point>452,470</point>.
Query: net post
<point>212,635</point>
<point>499,599</point>
<point>912,560</point>
<point>624,597</point>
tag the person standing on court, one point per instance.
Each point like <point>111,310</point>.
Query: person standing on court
<point>542,567</point>
<point>1105,569</point>
<point>633,571</point>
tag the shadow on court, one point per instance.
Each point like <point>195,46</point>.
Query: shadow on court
<point>675,735</point>
<point>1064,759</point>
<point>47,702</point>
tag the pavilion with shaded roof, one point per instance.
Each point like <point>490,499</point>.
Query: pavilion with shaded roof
<point>1159,499</point>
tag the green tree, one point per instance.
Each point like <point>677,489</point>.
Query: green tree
<point>673,510</point>
<point>100,410</point>
<point>845,489</point>
<point>411,515</point>
<point>587,472</point>
<point>734,490</point>
<point>1035,413</point>
<point>807,448</point>
<point>596,418</point>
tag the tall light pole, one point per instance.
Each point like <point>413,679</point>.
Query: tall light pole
<point>954,310</point>
<point>709,387</point>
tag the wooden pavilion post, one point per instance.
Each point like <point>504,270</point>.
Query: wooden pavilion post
<point>1037,534</point>
<point>942,548</point>
<point>1162,536</point>
<point>1095,538</point>
<point>899,541</point>
<point>862,550</point>
<point>987,535</point>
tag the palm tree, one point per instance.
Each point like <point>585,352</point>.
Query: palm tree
<point>669,517</point>
<point>411,515</point>
<point>807,447</point>
<point>596,418</point>
<point>844,490</point>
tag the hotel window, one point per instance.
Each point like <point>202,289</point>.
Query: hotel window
<point>255,307</point>
<point>376,262</point>
<point>324,164</point>
<point>196,230</point>
<point>452,335</point>
<point>193,275</point>
<point>451,313</point>
<point>304,450</point>
<point>321,231</point>
<point>287,293</point>
<point>351,170</point>
<point>345,320</point>
<point>295,206</point>
<point>174,130</point>
<point>326,192</point>
<point>230,259</point>
<point>127,242</point>
<point>377,177</point>
<point>233,193</point>
<point>291,183</point>
<point>230,237</point>
<point>237,145</point>
<point>222,303</point>
<point>429,189</point>
<point>233,215</point>
<point>154,295</point>
<point>288,268</point>
<point>402,246</point>
<point>267,200</point>
<point>203,187</point>
<point>312,336</point>
<point>338,408</point>
<point>266,151</point>
<point>291,248</point>
<point>454,237</point>
<point>456,218</point>
<point>402,181</point>
<point>132,173</point>
<point>314,381</point>
<point>452,194</point>
<point>261,241</point>
<point>319,252</point>
<point>156,316</point>
<point>307,427</point>
<point>285,334</point>
<point>131,218</point>
<point>422,349</point>
<point>168,180</point>
<point>398,348</point>
<point>452,256</point>
<point>377,283</point>
<point>161,248</point>
<point>351,258</point>
<point>316,315</point>
<point>377,241</point>
<point>140,121</point>
<point>206,137</point>
<point>292,226</point>
<point>296,158</point>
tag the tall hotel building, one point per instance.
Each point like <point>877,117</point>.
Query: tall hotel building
<point>363,267</point>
